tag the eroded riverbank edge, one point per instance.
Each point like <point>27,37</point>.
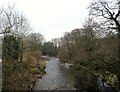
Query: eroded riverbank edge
<point>36,77</point>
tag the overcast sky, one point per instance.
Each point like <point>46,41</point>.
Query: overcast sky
<point>52,18</point>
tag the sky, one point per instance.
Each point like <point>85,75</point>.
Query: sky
<point>52,18</point>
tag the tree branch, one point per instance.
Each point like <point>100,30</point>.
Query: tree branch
<point>8,17</point>
<point>117,14</point>
<point>105,7</point>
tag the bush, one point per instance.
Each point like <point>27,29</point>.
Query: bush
<point>10,48</point>
<point>22,75</point>
<point>34,59</point>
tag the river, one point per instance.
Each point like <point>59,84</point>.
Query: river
<point>60,76</point>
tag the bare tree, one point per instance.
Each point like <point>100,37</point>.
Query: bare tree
<point>36,41</point>
<point>109,13</point>
<point>13,22</point>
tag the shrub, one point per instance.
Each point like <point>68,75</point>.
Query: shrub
<point>10,48</point>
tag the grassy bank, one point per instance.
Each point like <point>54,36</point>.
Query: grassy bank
<point>23,74</point>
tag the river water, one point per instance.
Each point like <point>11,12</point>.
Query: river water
<point>60,76</point>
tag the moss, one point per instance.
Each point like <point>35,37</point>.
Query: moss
<point>111,79</point>
<point>34,70</point>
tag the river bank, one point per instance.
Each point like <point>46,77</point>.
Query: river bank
<point>21,75</point>
<point>98,81</point>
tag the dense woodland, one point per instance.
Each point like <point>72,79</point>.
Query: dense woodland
<point>94,46</point>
